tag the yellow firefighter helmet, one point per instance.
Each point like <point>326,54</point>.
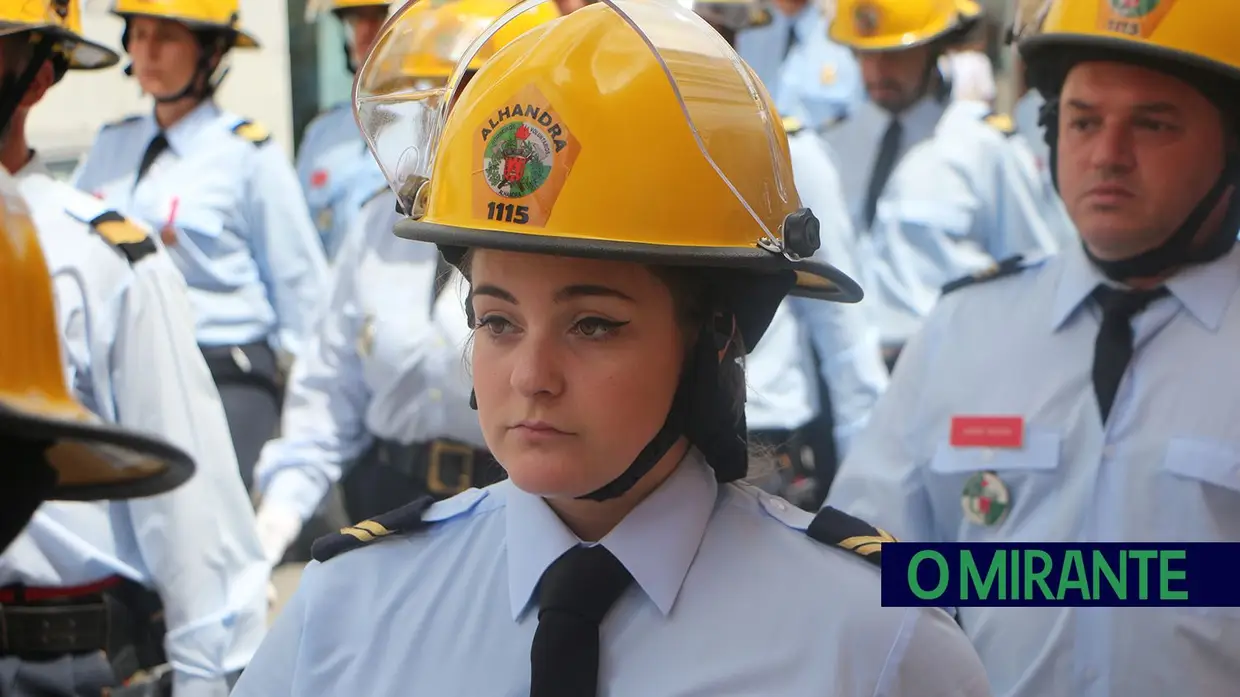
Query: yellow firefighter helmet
<point>893,25</point>
<point>60,20</point>
<point>222,15</point>
<point>628,129</point>
<point>92,460</point>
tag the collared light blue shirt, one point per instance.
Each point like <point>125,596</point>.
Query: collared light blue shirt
<point>819,81</point>
<point>724,572</point>
<point>131,358</point>
<point>387,359</point>
<point>332,163</point>
<point>240,232</point>
<point>1162,469</point>
<point>958,200</point>
<point>779,372</point>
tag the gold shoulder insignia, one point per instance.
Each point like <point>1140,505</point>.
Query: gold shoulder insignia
<point>1001,123</point>
<point>1007,267</point>
<point>759,16</point>
<point>836,528</point>
<point>402,521</point>
<point>253,132</point>
<point>124,234</point>
<point>792,124</point>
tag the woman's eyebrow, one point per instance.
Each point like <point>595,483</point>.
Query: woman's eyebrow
<point>495,292</point>
<point>588,290</point>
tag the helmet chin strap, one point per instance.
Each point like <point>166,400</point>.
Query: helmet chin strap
<point>1183,246</point>
<point>700,410</point>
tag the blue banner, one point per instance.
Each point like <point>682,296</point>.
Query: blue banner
<point>1198,574</point>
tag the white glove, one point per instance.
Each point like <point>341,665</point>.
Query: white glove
<point>278,526</point>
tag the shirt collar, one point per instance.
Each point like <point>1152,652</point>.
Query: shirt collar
<point>1204,290</point>
<point>184,132</point>
<point>33,167</point>
<point>656,542</point>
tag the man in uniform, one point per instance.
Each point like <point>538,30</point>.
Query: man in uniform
<point>817,373</point>
<point>332,161</point>
<point>812,79</point>
<point>192,557</point>
<point>1102,380</point>
<point>935,187</point>
<point>53,447</point>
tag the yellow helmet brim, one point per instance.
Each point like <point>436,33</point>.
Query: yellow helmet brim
<point>92,460</point>
<point>83,54</point>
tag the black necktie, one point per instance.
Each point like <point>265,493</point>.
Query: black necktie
<point>574,595</point>
<point>158,145</point>
<point>883,166</point>
<point>1113,348</point>
<point>792,41</point>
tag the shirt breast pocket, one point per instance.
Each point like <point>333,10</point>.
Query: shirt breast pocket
<point>997,494</point>
<point>1201,490</point>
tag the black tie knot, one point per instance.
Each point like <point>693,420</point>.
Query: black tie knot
<point>156,148</point>
<point>584,582</point>
<point>1113,348</point>
<point>1125,304</point>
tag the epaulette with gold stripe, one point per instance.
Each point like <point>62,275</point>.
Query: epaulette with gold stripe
<point>836,528</point>
<point>124,234</point>
<point>1001,123</point>
<point>402,521</point>
<point>792,125</point>
<point>1007,267</point>
<point>253,132</point>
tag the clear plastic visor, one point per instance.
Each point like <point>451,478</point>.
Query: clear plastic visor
<point>403,124</point>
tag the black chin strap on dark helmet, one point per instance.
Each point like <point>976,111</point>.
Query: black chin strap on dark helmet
<point>1182,247</point>
<point>701,411</point>
<point>13,88</point>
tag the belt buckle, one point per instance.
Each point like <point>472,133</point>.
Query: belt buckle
<point>440,452</point>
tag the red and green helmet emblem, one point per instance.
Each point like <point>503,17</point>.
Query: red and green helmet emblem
<point>985,499</point>
<point>518,159</point>
<point>1132,9</point>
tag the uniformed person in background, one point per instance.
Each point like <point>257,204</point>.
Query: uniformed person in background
<point>381,397</point>
<point>817,374</point>
<point>332,161</point>
<point>812,78</point>
<point>935,188</point>
<point>1107,375</point>
<point>192,557</point>
<point>612,313</point>
<point>54,448</point>
<point>224,200</point>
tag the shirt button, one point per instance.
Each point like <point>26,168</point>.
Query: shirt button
<point>435,394</point>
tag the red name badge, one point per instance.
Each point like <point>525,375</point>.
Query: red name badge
<point>988,432</point>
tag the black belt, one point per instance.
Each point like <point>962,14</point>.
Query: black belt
<point>115,615</point>
<point>447,467</point>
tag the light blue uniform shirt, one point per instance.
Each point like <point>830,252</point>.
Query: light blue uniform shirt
<point>332,162</point>
<point>131,358</point>
<point>819,82</point>
<point>958,199</point>
<point>1163,469</point>
<point>1026,114</point>
<point>731,597</point>
<point>381,363</point>
<point>779,372</point>
<point>243,239</point>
